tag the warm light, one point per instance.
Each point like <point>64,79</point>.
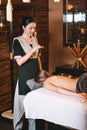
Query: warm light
<point>1,25</point>
<point>0,2</point>
<point>26,1</point>
<point>70,6</point>
<point>9,11</point>
<point>56,0</point>
<point>83,30</point>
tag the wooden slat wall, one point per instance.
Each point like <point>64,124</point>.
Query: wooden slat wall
<point>37,9</point>
<point>5,100</point>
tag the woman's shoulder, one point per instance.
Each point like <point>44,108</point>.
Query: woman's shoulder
<point>16,43</point>
<point>17,38</point>
<point>51,78</point>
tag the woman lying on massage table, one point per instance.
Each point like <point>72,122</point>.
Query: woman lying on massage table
<point>67,85</point>
<point>60,84</point>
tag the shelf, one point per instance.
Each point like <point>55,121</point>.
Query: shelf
<point>69,70</point>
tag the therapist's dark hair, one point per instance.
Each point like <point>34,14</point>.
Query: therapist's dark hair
<point>26,20</point>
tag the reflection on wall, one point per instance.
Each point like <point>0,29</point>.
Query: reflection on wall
<point>75,19</point>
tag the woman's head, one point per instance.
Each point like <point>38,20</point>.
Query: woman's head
<point>41,76</point>
<point>29,25</point>
<point>27,20</point>
<point>81,86</point>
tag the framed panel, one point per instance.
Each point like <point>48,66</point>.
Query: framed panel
<point>74,22</point>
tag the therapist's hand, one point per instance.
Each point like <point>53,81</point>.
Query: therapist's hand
<point>83,95</point>
<point>37,47</point>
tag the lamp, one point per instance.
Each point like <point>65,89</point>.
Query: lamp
<point>9,11</point>
<point>69,6</point>
<point>1,23</point>
<point>26,1</point>
<point>56,0</point>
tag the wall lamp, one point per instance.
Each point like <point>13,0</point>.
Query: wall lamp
<point>9,11</point>
<point>26,1</point>
<point>56,0</point>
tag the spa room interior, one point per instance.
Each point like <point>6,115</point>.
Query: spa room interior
<point>62,30</point>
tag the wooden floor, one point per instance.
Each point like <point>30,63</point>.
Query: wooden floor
<point>7,124</point>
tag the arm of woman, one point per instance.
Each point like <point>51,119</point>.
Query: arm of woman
<point>19,57</point>
<point>52,85</point>
<point>22,59</point>
<point>67,92</point>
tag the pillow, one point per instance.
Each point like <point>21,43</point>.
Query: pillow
<point>32,84</point>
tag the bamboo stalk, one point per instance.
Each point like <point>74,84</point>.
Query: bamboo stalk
<point>83,50</point>
<point>78,46</point>
<point>77,52</point>
<point>83,63</point>
<point>71,50</point>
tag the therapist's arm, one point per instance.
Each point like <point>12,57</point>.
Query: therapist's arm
<point>22,59</point>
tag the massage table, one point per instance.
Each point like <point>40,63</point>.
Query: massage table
<point>65,110</point>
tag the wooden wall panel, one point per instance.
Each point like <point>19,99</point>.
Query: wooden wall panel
<point>5,94</point>
<point>37,9</point>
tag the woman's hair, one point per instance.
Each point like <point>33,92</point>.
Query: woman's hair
<point>26,20</point>
<point>81,86</point>
<point>41,76</point>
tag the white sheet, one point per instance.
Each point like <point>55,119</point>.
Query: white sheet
<point>56,108</point>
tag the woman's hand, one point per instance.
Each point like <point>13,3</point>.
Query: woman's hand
<point>37,47</point>
<point>21,60</point>
<point>83,95</point>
